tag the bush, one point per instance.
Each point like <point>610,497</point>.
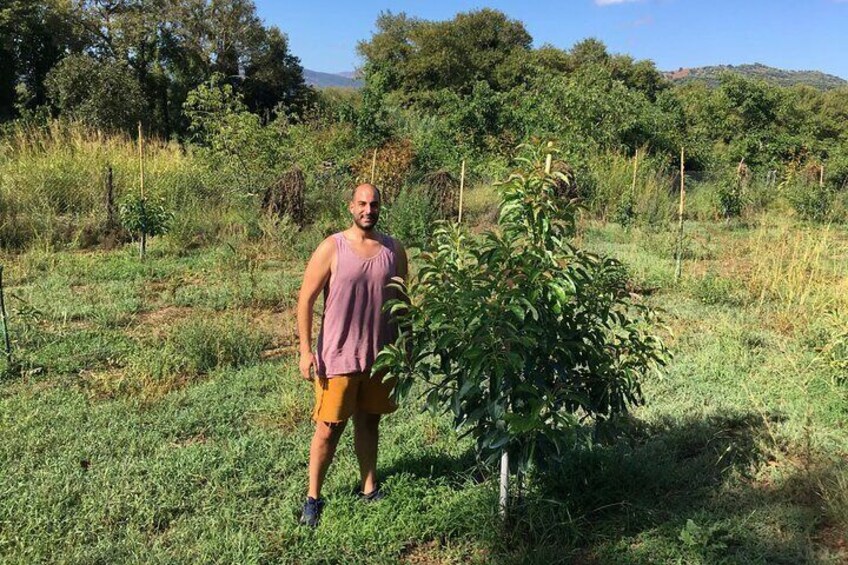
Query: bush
<point>713,289</point>
<point>811,201</point>
<point>519,334</point>
<point>410,218</point>
<point>144,216</point>
<point>730,197</point>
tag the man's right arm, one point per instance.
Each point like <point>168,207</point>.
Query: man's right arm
<point>314,280</point>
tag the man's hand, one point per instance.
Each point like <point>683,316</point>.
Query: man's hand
<point>307,365</point>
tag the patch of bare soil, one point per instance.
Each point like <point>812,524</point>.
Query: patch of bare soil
<point>282,326</point>
<point>156,322</point>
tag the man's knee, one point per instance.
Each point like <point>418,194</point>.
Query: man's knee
<point>329,431</point>
<point>365,420</point>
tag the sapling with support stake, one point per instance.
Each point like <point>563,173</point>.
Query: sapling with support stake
<point>138,214</point>
<point>518,334</point>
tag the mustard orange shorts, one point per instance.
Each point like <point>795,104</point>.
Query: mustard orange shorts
<point>338,398</point>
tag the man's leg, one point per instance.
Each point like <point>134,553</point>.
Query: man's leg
<point>321,451</point>
<point>366,433</point>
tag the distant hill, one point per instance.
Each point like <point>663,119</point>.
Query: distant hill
<point>710,75</point>
<point>323,80</point>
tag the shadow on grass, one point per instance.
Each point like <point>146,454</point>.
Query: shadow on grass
<point>675,491</point>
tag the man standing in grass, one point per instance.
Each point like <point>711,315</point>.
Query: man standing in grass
<point>352,268</point>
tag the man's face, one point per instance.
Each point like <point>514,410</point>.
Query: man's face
<point>365,207</point>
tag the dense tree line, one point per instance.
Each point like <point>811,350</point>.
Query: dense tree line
<point>473,86</point>
<point>113,62</point>
<point>479,74</point>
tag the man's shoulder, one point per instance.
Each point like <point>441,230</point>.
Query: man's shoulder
<point>327,246</point>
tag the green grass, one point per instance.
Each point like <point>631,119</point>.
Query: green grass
<point>158,417</point>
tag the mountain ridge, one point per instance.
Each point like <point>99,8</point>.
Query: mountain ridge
<point>320,79</point>
<point>711,75</point>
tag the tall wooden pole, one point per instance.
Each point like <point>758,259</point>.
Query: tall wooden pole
<point>679,268</point>
<point>374,166</point>
<point>461,190</point>
<point>142,245</point>
<point>635,167</point>
<point>6,341</point>
<point>821,175</point>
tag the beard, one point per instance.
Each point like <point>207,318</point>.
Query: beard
<point>366,224</point>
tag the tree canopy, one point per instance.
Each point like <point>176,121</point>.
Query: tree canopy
<point>158,50</point>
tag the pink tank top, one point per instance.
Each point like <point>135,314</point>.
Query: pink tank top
<point>354,327</point>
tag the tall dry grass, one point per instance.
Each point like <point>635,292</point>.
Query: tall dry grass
<point>53,181</point>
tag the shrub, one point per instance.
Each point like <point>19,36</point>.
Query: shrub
<point>731,198</point>
<point>520,335</point>
<point>713,289</point>
<point>410,218</point>
<point>811,201</point>
<point>392,170</point>
<point>144,216</point>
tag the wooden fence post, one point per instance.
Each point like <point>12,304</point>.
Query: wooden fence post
<point>635,168</point>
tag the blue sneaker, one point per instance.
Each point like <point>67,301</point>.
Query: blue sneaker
<point>311,512</point>
<point>373,496</point>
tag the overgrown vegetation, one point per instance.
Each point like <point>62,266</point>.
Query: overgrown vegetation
<point>743,437</point>
<point>154,415</point>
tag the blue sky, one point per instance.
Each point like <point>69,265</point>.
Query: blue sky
<point>800,34</point>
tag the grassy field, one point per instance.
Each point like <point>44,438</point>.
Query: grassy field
<point>159,418</point>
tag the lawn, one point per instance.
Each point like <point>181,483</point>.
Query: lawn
<point>159,418</point>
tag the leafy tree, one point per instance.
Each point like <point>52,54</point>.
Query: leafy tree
<point>274,78</point>
<point>104,95</point>
<point>416,56</point>
<point>34,35</point>
<point>236,142</point>
<point>520,335</point>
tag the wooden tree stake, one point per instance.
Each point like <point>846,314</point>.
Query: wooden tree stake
<point>821,175</point>
<point>111,219</point>
<point>549,159</point>
<point>461,190</point>
<point>635,167</point>
<point>374,166</point>
<point>679,268</point>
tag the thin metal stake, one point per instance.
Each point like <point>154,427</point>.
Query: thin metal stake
<point>4,320</point>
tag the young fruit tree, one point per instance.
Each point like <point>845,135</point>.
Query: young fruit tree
<point>524,338</point>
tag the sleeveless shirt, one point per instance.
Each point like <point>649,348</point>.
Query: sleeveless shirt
<point>354,327</point>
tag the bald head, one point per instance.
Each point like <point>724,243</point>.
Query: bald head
<point>365,206</point>
<point>371,192</point>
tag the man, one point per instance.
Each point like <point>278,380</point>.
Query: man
<point>352,268</point>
